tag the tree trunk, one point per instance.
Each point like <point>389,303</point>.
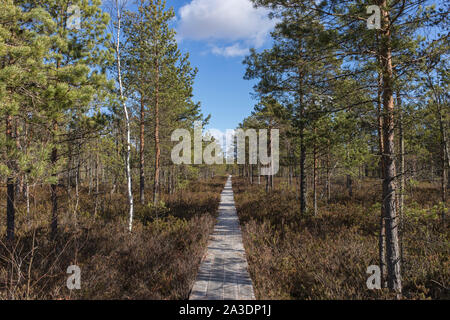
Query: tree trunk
<point>328,177</point>
<point>77,191</point>
<point>259,173</point>
<point>445,159</point>
<point>303,182</point>
<point>10,209</point>
<point>141,153</point>
<point>27,199</point>
<point>19,179</point>
<point>97,182</point>
<point>26,182</point>
<point>272,181</point>
<point>315,178</point>
<point>389,190</point>
<point>54,187</point>
<point>127,119</point>
<point>382,236</point>
<point>350,186</point>
<point>169,184</point>
<point>401,198</point>
<point>290,176</point>
<point>157,145</point>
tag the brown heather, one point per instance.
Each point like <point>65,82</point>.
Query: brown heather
<point>326,257</point>
<point>159,260</point>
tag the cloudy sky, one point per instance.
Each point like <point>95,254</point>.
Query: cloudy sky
<point>218,35</point>
<point>229,27</point>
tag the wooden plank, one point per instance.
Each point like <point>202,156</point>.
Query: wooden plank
<point>223,273</point>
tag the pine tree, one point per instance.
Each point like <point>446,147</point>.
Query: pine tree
<point>356,47</point>
<point>74,69</point>
<point>22,53</point>
<point>294,69</point>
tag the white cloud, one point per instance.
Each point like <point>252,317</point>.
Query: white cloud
<point>234,50</point>
<point>235,22</point>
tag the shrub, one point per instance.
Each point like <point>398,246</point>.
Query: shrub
<point>158,260</point>
<point>326,257</point>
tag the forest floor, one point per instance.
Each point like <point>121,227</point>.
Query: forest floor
<point>290,256</point>
<point>326,256</point>
<point>159,260</point>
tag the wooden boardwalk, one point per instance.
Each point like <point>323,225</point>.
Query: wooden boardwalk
<point>223,272</point>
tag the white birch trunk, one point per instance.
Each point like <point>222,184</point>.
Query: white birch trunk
<point>127,119</point>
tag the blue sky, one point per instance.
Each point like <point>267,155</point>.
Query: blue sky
<point>217,34</point>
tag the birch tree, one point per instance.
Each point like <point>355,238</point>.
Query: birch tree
<point>118,7</point>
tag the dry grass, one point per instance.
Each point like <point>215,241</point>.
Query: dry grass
<point>159,260</point>
<point>326,257</point>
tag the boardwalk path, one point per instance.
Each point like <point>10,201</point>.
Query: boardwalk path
<point>223,273</point>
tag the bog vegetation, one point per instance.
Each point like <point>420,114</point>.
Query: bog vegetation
<point>88,105</point>
<point>355,102</point>
<point>325,256</point>
<point>87,114</point>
